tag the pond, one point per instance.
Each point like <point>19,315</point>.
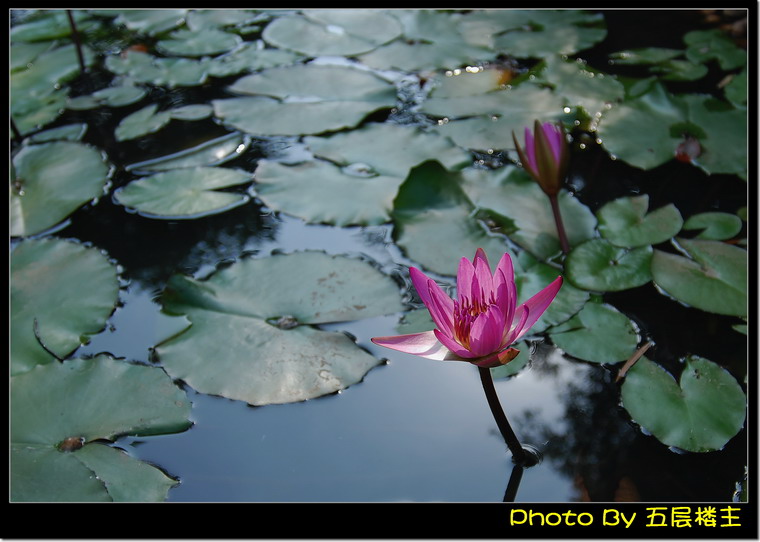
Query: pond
<point>211,223</point>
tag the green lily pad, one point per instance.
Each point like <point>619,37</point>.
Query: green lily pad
<point>60,411</point>
<point>323,192</point>
<point>714,225</point>
<point>736,90</point>
<point>210,153</point>
<point>184,193</point>
<point>486,120</point>
<point>600,266</point>
<point>705,45</point>
<point>510,192</point>
<point>170,72</point>
<point>638,130</point>
<point>304,99</point>
<point>644,55</point>
<point>532,276</point>
<point>143,121</point>
<point>625,222</point>
<point>340,32</point>
<point>431,40</point>
<point>598,333</point>
<point>712,278</point>
<point>249,57</point>
<point>700,413</point>
<point>151,21</point>
<point>249,339</point>
<point>537,33</point>
<point>724,147</point>
<point>389,149</point>
<point>434,224</point>
<point>202,42</point>
<point>67,132</point>
<point>50,25</point>
<point>579,85</point>
<point>69,289</point>
<point>117,96</point>
<point>52,180</point>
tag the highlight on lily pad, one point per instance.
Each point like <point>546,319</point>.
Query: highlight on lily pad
<point>482,323</point>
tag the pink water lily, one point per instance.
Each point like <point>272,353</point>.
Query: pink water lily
<point>545,155</point>
<point>484,320</point>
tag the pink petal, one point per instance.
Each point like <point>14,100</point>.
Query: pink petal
<point>487,332</point>
<point>483,282</point>
<point>420,282</point>
<point>441,308</point>
<point>538,304</point>
<point>519,329</point>
<point>465,274</point>
<point>506,296</point>
<point>454,346</point>
<point>422,344</point>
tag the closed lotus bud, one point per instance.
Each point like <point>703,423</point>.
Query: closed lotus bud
<point>545,155</point>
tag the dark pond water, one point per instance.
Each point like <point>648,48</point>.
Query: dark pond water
<point>414,430</point>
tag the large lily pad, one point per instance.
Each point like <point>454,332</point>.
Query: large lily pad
<point>511,193</point>
<point>171,72</point>
<point>625,222</point>
<point>322,192</point>
<point>431,40</point>
<point>151,21</point>
<point>598,333</point>
<point>209,153</point>
<point>184,193</point>
<point>599,265</point>
<point>344,32</point>
<point>714,225</point>
<point>52,180</point>
<point>201,42</point>
<point>713,277</point>
<point>59,413</point>
<point>69,289</point>
<point>249,339</point>
<point>485,119</point>
<point>249,57</point>
<point>304,99</point>
<point>700,413</point>
<point>434,221</point>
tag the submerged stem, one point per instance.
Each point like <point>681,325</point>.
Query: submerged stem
<point>560,226</point>
<point>519,455</point>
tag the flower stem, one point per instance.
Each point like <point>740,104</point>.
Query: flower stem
<point>519,455</point>
<point>560,226</point>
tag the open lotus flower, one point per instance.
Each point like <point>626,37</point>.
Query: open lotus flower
<point>481,323</point>
<point>545,155</point>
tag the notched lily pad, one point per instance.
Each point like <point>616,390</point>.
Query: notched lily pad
<point>185,192</point>
<point>625,222</point>
<point>52,180</point>
<point>69,290</point>
<point>600,266</point>
<point>598,333</point>
<point>700,413</point>
<point>59,412</point>
<point>714,225</point>
<point>712,277</point>
<point>250,337</point>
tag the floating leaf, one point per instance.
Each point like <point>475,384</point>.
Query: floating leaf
<point>184,193</point>
<point>625,222</point>
<point>599,265</point>
<point>431,40</point>
<point>510,192</point>
<point>60,411</point>
<point>322,192</point>
<point>304,99</point>
<point>714,225</point>
<point>69,289</point>
<point>202,42</point>
<point>705,45</point>
<point>434,224</point>
<point>713,277</point>
<point>51,181</point>
<point>50,25</point>
<point>117,96</point>
<point>144,121</point>
<point>171,72</point>
<point>598,333</point>
<point>249,339</point>
<point>249,57</point>
<point>342,32</point>
<point>485,120</point>
<point>638,130</point>
<point>700,413</point>
<point>151,21</point>
<point>67,132</point>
